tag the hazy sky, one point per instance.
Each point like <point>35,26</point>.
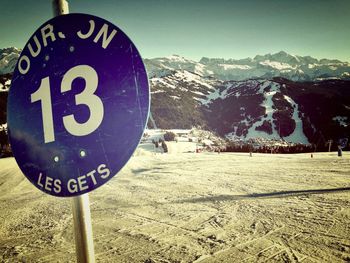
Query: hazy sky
<point>197,28</point>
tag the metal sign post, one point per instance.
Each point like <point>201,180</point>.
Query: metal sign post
<point>84,242</point>
<point>60,7</point>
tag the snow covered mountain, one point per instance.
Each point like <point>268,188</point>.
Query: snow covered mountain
<point>8,59</point>
<point>264,97</point>
<point>274,96</point>
<point>281,64</point>
<point>276,109</point>
<point>5,82</point>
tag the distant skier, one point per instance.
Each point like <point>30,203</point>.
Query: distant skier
<point>341,145</point>
<point>340,152</point>
<point>165,147</point>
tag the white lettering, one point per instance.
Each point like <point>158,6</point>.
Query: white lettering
<point>72,186</point>
<point>43,94</point>
<point>91,174</point>
<point>20,68</point>
<point>39,179</point>
<point>57,186</point>
<point>82,183</point>
<point>38,47</point>
<point>47,34</point>
<point>106,39</point>
<point>103,171</point>
<point>48,183</point>
<point>86,97</point>
<point>89,33</point>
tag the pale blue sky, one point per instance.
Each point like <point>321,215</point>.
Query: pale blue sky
<point>197,28</point>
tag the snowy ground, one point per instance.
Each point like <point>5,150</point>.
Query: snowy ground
<point>188,207</point>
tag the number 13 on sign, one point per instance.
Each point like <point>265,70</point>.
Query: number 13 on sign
<point>86,97</point>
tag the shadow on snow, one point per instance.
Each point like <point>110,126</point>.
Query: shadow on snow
<point>278,194</point>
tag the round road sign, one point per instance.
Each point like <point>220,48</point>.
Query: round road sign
<point>78,104</point>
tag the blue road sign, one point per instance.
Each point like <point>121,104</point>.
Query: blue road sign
<point>78,104</point>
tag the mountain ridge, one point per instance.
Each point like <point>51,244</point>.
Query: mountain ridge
<point>266,104</point>
<point>280,64</point>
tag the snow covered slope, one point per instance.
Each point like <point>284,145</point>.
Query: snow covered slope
<point>176,99</point>
<point>276,117</point>
<point>277,109</point>
<point>190,208</point>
